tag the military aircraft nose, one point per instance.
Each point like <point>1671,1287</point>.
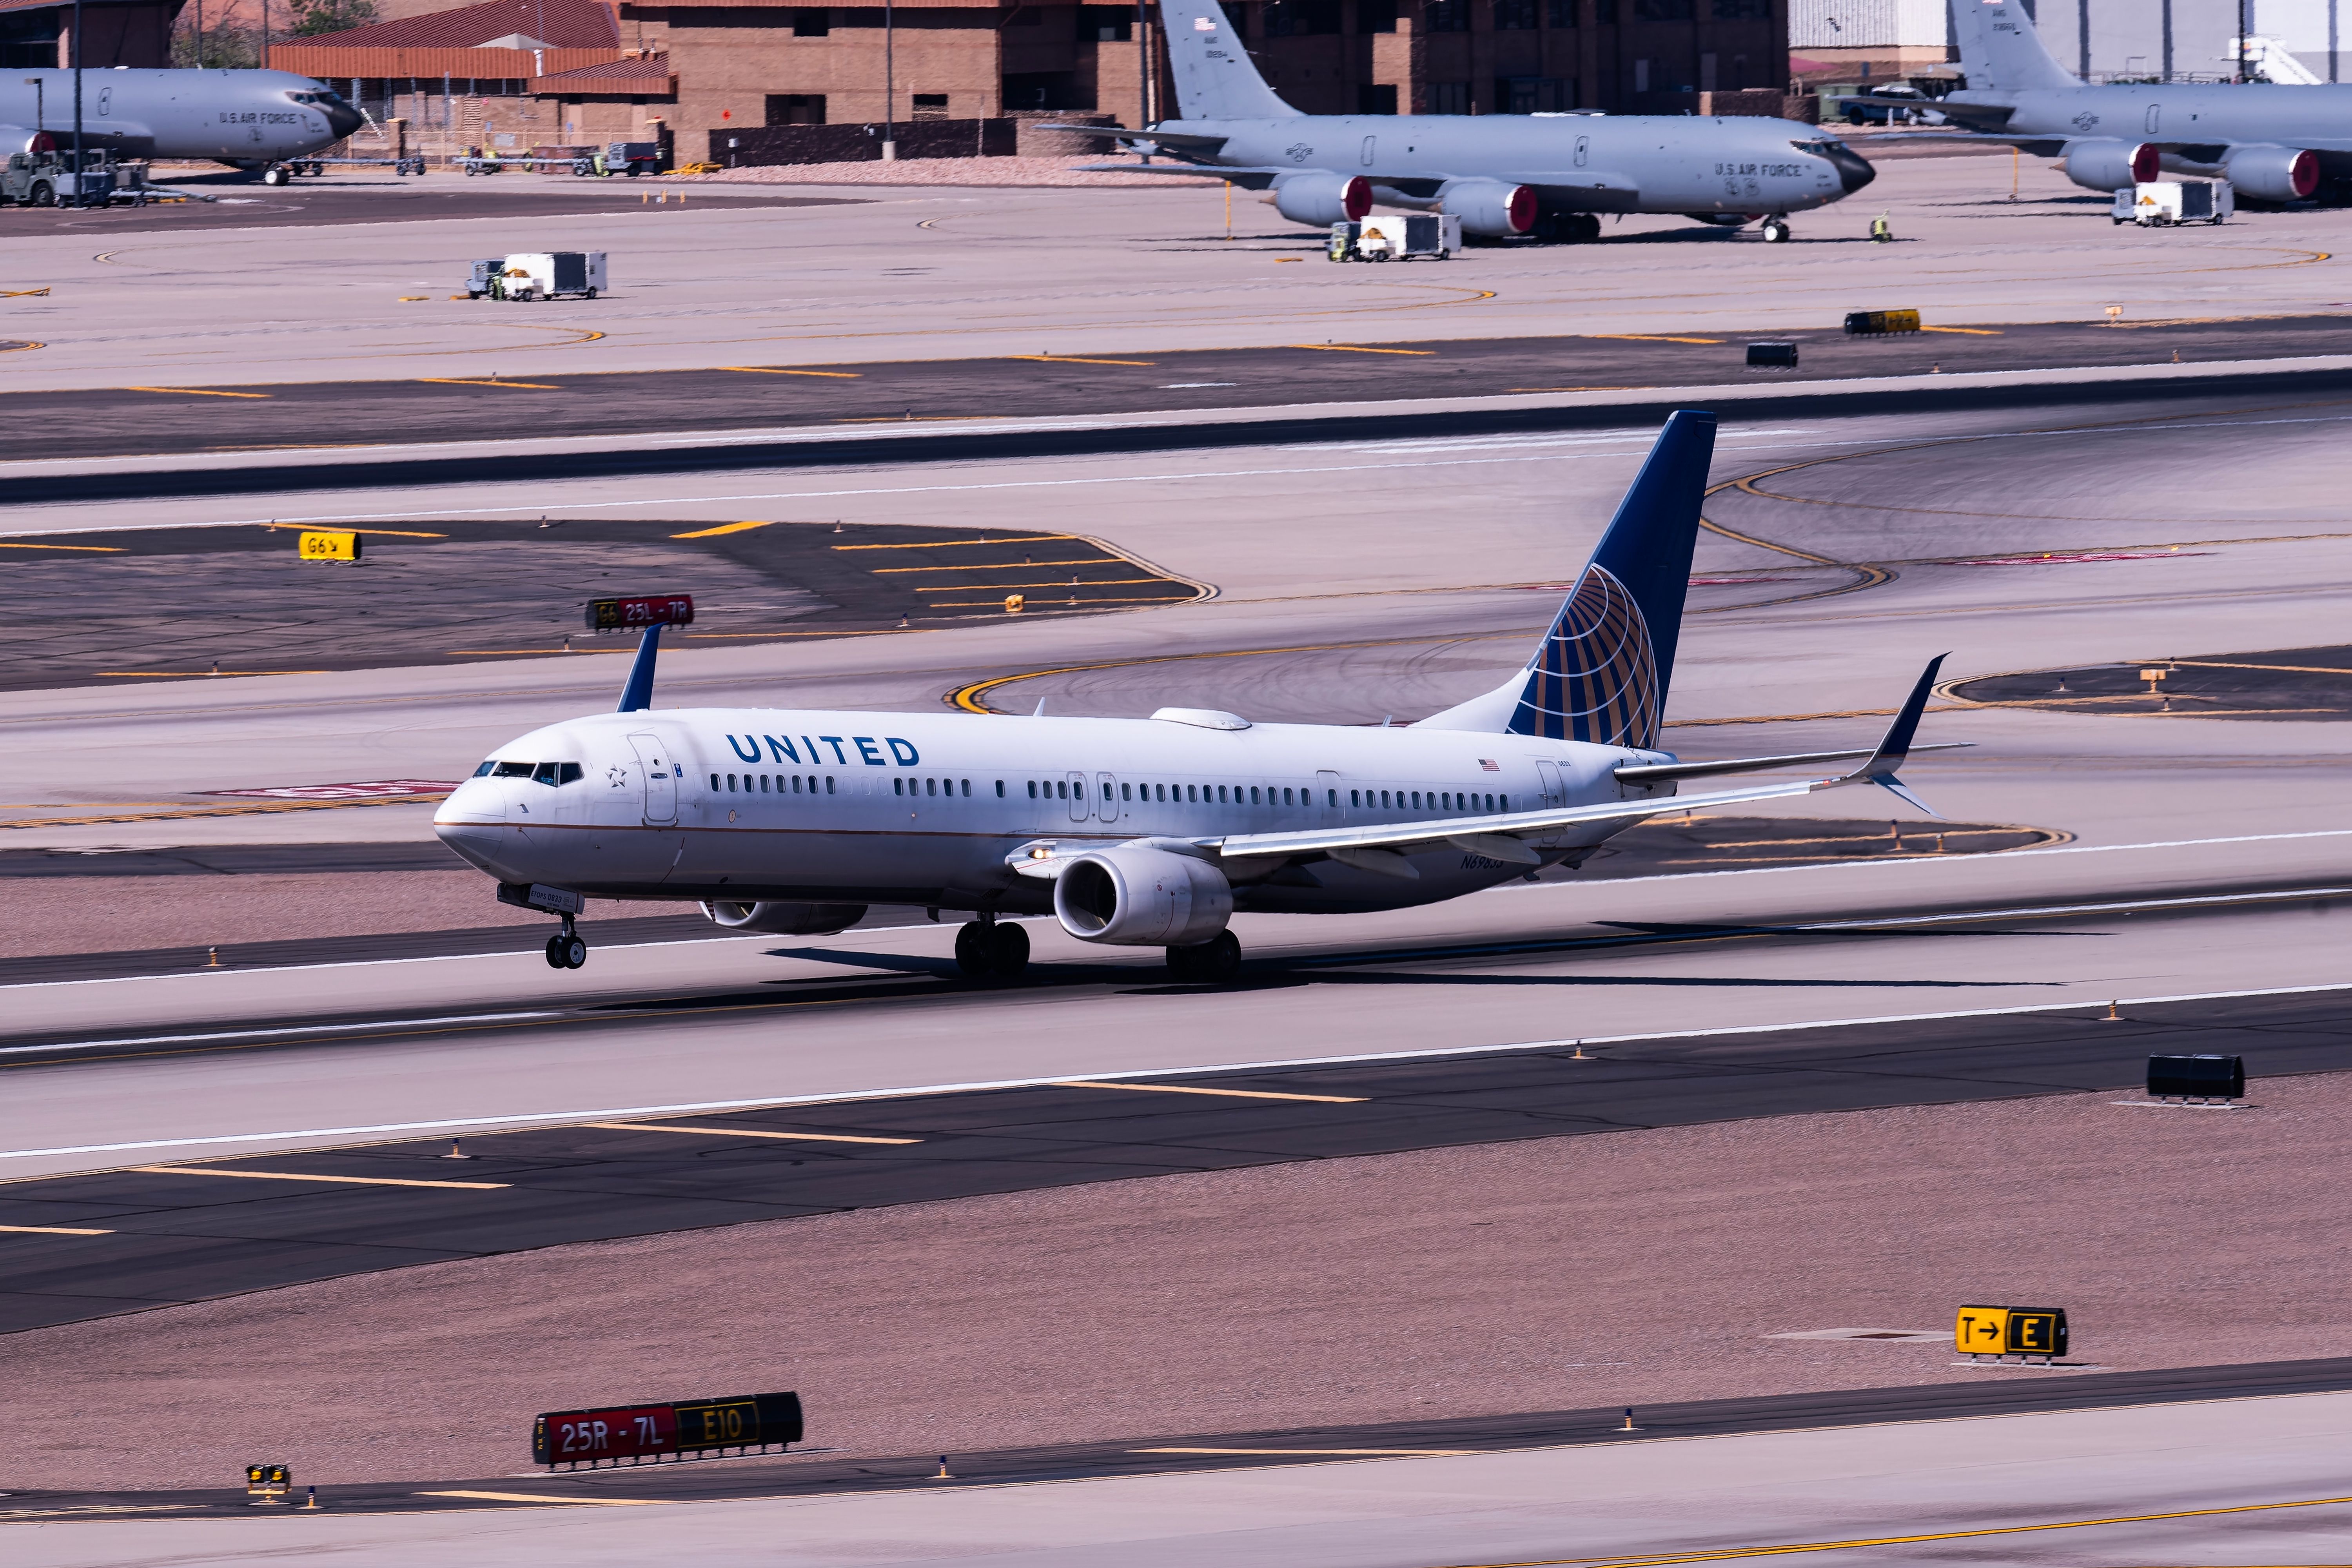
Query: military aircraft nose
<point>343,120</point>
<point>1853,170</point>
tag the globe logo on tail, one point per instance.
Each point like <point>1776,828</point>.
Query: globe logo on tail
<point>1595,677</point>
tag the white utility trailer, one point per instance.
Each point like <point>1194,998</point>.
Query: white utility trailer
<point>549,273</point>
<point>2159,204</point>
<point>1401,236</point>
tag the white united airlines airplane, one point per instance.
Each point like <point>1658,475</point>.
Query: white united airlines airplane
<point>1133,832</point>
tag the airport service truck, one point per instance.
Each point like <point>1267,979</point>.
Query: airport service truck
<point>46,178</point>
<point>537,275</point>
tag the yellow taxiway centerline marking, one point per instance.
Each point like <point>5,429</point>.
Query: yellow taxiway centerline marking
<point>555,1501</point>
<point>944,543</point>
<point>1663,1560</point>
<point>1355,348</point>
<point>742,1132</point>
<point>50,1230</point>
<point>1226,1093</point>
<point>457,381</point>
<point>300,1176</point>
<point>1971,332</point>
<point>85,549</point>
<point>1328,1453</point>
<point>1006,567</point>
<point>196,392</point>
<point>1056,583</point>
<point>763,370</point>
<point>722,528</point>
<point>1072,359</point>
<point>192,674</point>
<point>1653,338</point>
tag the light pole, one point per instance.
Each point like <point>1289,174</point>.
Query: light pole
<point>889,84</point>
<point>1142,64</point>
<point>2246,20</point>
<point>80,199</point>
<point>40,119</point>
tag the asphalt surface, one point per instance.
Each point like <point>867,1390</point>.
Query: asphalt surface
<point>808,1474</point>
<point>2280,684</point>
<point>109,1242</point>
<point>633,408</point>
<point>170,604</point>
<point>243,202</point>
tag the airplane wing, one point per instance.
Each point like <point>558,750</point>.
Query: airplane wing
<point>1504,837</point>
<point>1973,116</point>
<point>1188,140</point>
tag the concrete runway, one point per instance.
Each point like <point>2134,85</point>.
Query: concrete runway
<point>959,273</point>
<point>2231,1481</point>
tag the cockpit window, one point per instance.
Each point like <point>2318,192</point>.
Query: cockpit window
<point>1825,146</point>
<point>484,771</point>
<point>517,770</point>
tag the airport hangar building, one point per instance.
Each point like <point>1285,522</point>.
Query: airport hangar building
<point>584,72</point>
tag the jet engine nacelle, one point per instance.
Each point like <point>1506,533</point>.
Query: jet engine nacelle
<point>786,920</point>
<point>1132,895</point>
<point>1322,198</point>
<point>1488,206</point>
<point>2105,164</point>
<point>2272,174</point>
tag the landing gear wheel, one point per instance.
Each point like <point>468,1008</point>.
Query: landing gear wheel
<point>972,949</point>
<point>275,175</point>
<point>1008,953</point>
<point>1775,231</point>
<point>1216,962</point>
<point>1583,228</point>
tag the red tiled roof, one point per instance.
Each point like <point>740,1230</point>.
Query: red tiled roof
<point>646,78</point>
<point>563,24</point>
<point>652,65</point>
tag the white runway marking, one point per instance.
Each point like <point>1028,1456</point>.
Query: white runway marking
<point>632,1112</point>
<point>288,1029</point>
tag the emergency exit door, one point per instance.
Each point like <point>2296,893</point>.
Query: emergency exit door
<point>659,773</point>
<point>1077,797</point>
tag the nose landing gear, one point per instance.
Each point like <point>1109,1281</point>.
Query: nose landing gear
<point>565,949</point>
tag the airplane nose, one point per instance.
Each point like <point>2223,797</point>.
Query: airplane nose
<point>471,822</point>
<point>1853,170</point>
<point>343,120</point>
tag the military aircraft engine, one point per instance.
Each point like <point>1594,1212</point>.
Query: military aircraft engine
<point>1319,197</point>
<point>786,920</point>
<point>2103,164</point>
<point>1488,206</point>
<point>1132,895</point>
<point>2272,174</point>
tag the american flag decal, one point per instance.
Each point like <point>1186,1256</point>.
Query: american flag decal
<point>1595,678</point>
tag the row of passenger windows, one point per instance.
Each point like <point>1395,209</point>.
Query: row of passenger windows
<point>1060,789</point>
<point>775,784</point>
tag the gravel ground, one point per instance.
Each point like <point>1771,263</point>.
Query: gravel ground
<point>1625,1268</point>
<point>116,914</point>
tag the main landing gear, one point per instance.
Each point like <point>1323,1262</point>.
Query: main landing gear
<point>986,950</point>
<point>1216,962</point>
<point>1775,230</point>
<point>565,949</point>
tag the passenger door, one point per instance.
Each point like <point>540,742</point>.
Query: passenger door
<point>1077,797</point>
<point>1555,790</point>
<point>659,771</point>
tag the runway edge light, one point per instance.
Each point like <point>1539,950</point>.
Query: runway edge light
<point>2021,1332</point>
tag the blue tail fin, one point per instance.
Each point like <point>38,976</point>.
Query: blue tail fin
<point>1602,672</point>
<point>637,695</point>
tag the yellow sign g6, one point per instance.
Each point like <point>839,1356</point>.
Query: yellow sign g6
<point>327,545</point>
<point>2011,1331</point>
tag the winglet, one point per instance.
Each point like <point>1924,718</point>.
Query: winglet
<point>1894,749</point>
<point>638,694</point>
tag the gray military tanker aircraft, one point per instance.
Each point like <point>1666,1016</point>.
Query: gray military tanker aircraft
<point>2274,143</point>
<point>251,119</point>
<point>1503,174</point>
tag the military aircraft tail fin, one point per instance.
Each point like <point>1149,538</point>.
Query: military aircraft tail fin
<point>1214,76</point>
<point>2001,50</point>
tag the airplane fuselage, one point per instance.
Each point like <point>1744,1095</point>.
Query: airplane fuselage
<point>2319,118</point>
<point>1582,162</point>
<point>235,116</point>
<point>911,808</point>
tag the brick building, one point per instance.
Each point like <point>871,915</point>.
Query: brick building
<point>38,34</point>
<point>719,65</point>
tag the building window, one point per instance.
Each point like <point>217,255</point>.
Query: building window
<point>930,106</point>
<point>1742,11</point>
<point>1449,97</point>
<point>1098,24</point>
<point>811,24</point>
<point>1376,98</point>
<point>1559,13</point>
<point>796,109</point>
<point>1301,18</point>
<point>1663,10</point>
<point>1445,17</point>
<point>1514,16</point>
<point>1534,95</point>
<point>1375,16</point>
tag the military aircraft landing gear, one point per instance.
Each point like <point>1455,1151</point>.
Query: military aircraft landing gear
<point>986,950</point>
<point>1568,228</point>
<point>1775,230</point>
<point>1216,962</point>
<point>277,174</point>
<point>565,950</point>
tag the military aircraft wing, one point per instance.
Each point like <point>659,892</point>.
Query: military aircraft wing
<point>1192,140</point>
<point>1585,183</point>
<point>1974,116</point>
